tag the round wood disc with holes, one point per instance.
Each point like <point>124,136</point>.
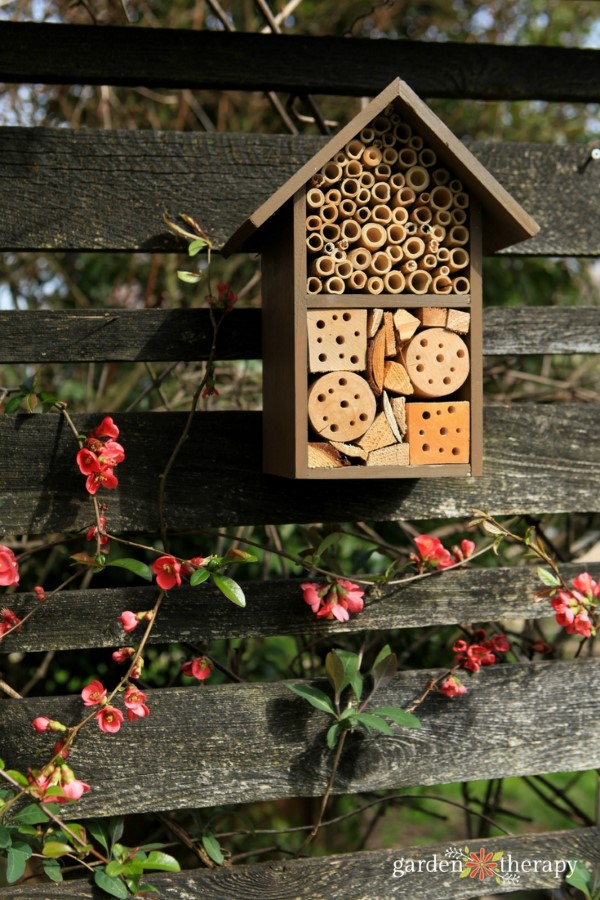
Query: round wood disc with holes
<point>437,362</point>
<point>341,406</point>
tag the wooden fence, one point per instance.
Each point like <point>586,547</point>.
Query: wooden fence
<point>88,190</point>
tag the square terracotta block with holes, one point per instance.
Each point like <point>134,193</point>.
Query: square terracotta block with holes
<point>438,433</point>
<point>372,299</point>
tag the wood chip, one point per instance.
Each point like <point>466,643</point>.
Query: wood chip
<point>396,378</point>
<point>405,324</point>
<point>391,419</point>
<point>433,316</point>
<point>350,450</point>
<point>390,335</point>
<point>324,456</point>
<point>374,321</point>
<point>379,435</point>
<point>459,320</point>
<point>398,405</point>
<point>395,455</point>
<point>376,362</point>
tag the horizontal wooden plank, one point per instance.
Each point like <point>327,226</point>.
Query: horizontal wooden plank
<point>123,181</point>
<point>201,615</point>
<point>118,335</point>
<point>203,746</point>
<point>58,54</point>
<point>537,458</point>
<point>539,861</point>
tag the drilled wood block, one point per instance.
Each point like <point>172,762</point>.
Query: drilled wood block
<point>432,316</point>
<point>393,455</point>
<point>341,406</point>
<point>438,432</point>
<point>337,340</point>
<point>459,320</point>
<point>437,362</point>
<point>323,456</point>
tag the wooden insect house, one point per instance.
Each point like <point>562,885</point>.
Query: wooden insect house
<point>372,299</point>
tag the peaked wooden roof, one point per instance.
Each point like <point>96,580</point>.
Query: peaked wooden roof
<point>505,222</point>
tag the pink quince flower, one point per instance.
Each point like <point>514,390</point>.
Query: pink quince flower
<point>311,595</point>
<point>93,693</point>
<point>9,568</point>
<point>72,787</point>
<point>133,696</point>
<point>168,572</point>
<point>103,478</point>
<point>432,552</point>
<point>350,595</point>
<point>106,428</point>
<point>109,719</point>
<point>452,687</point>
<point>129,621</point>
<point>87,461</point>
<point>123,654</point>
<point>111,454</point>
<point>199,668</point>
<point>41,723</point>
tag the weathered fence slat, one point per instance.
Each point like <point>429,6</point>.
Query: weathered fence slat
<point>371,873</point>
<point>213,60</point>
<point>216,743</point>
<point>46,181</point>
<point>117,335</point>
<point>535,460</point>
<point>201,615</point>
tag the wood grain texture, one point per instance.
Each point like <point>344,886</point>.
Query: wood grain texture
<point>211,60</point>
<point>371,873</point>
<point>206,745</point>
<point>118,335</point>
<point>123,181</point>
<point>534,461</point>
<point>200,615</point>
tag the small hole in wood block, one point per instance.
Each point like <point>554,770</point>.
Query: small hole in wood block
<point>357,396</point>
<point>363,417</point>
<point>443,431</point>
<point>322,357</point>
<point>341,356</point>
<point>354,360</point>
<point>441,346</point>
<point>342,382</point>
<point>346,317</point>
<point>344,404</point>
<point>458,430</point>
<point>438,412</point>
<point>340,339</point>
<point>421,432</point>
<point>460,353</point>
<point>357,334</point>
<point>455,451</point>
<point>440,357</point>
<point>425,447</point>
<point>417,356</point>
<point>330,390</point>
<point>430,381</point>
<point>426,415</point>
<point>440,450</point>
<point>447,380</point>
<point>352,423</point>
<point>451,409</point>
<point>320,324</point>
<point>319,340</point>
<point>423,342</point>
<point>420,367</point>
<point>334,317</point>
<point>321,398</point>
<point>326,418</point>
<point>333,427</point>
<point>453,368</point>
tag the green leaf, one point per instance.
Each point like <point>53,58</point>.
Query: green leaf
<point>5,837</point>
<point>161,862</point>
<point>315,697</point>
<point>397,715</point>
<point>357,685</point>
<point>199,576</point>
<point>383,654</point>
<point>384,669</point>
<point>580,878</point>
<point>230,589</point>
<point>335,671</point>
<point>147,888</point>
<point>133,565</point>
<point>333,734</point>
<point>17,857</point>
<point>96,828</point>
<point>52,869</point>
<point>54,849</point>
<point>196,246</point>
<point>548,578</point>
<point>115,826</point>
<point>31,815</point>
<point>238,556</point>
<point>13,404</point>
<point>45,397</point>
<point>78,830</point>
<point>112,886</point>
<point>18,777</point>
<point>327,542</point>
<point>189,277</point>
<point>374,722</point>
<point>213,848</point>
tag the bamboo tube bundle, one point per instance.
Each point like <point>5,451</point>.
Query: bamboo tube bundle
<point>416,142</point>
<point>423,230</point>
<point>390,157</point>
<point>314,285</point>
<point>397,181</point>
<point>422,199</point>
<point>382,214</point>
<point>338,254</point>
<point>441,284</point>
<point>443,217</point>
<point>402,132</point>
<point>360,258</point>
<point>387,140</point>
<point>322,266</point>
<point>347,208</point>
<point>341,159</point>
<point>413,248</point>
<point>432,246</point>
<point>440,176</point>
<point>380,193</point>
<point>417,178</point>
<point>315,198</point>
<point>314,241</point>
<point>441,197</point>
<point>409,266</point>
<point>427,261</point>
<point>411,228</point>
<point>354,149</point>
<point>350,230</point>
<point>354,169</point>
<point>443,255</point>
<point>396,234</point>
<point>329,248</point>
<point>373,236</point>
<point>455,186</point>
<point>357,280</point>
<point>317,180</point>
<point>394,282</point>
<point>438,232</point>
<point>381,125</point>
<point>342,244</point>
<point>442,270</point>
<point>418,282</point>
<point>367,136</point>
<point>380,263</point>
<point>334,285</point>
<point>400,215</point>
<point>459,258</point>
<point>421,215</point>
<point>461,200</point>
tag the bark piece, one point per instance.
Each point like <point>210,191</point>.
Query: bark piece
<point>350,450</point>
<point>376,362</point>
<point>394,455</point>
<point>406,324</point>
<point>374,321</point>
<point>379,435</point>
<point>398,405</point>
<point>459,320</point>
<point>324,456</point>
<point>396,378</point>
<point>391,419</point>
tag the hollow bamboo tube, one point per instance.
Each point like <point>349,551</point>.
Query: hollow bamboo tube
<point>428,261</point>
<point>377,143</point>
<point>395,253</point>
<point>315,198</point>
<point>375,284</point>
<point>390,111</point>
<point>343,244</point>
<point>360,258</point>
<point>329,212</point>
<point>440,176</point>
<point>416,142</point>
<point>388,141</point>
<point>438,232</point>
<point>329,248</point>
<point>317,180</point>
<point>347,208</point>
<point>338,254</point>
<point>411,228</point>
<point>409,266</point>
<point>421,215</point>
<point>331,231</point>
<point>413,247</point>
<point>431,246</point>
<point>381,124</point>
<point>354,169</point>
<point>443,255</point>
<point>422,199</point>
<point>354,149</point>
<point>380,192</point>
<point>461,285</point>
<point>314,285</point>
<point>357,280</point>
<point>334,285</point>
<point>382,173</point>
<point>333,196</point>
<point>372,157</point>
<point>404,197</point>
<point>380,263</point>
<point>397,181</point>
<point>441,197</point>
<point>367,179</point>
<point>441,284</point>
<point>349,187</point>
<point>418,282</point>
<point>442,217</point>
<point>363,198</point>
<point>381,213</point>
<point>442,270</point>
<point>400,215</point>
<point>331,172</point>
<point>459,258</point>
<point>344,269</point>
<point>367,135</point>
<point>407,158</point>
<point>461,200</point>
<point>402,132</point>
<point>314,241</point>
<point>417,178</point>
<point>323,266</point>
<point>427,157</point>
<point>455,186</point>
<point>394,282</point>
<point>350,230</point>
<point>458,216</point>
<point>372,236</point>
<point>363,214</point>
<point>390,156</point>
<point>341,159</point>
<point>396,234</point>
<point>457,236</point>
<point>314,223</point>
